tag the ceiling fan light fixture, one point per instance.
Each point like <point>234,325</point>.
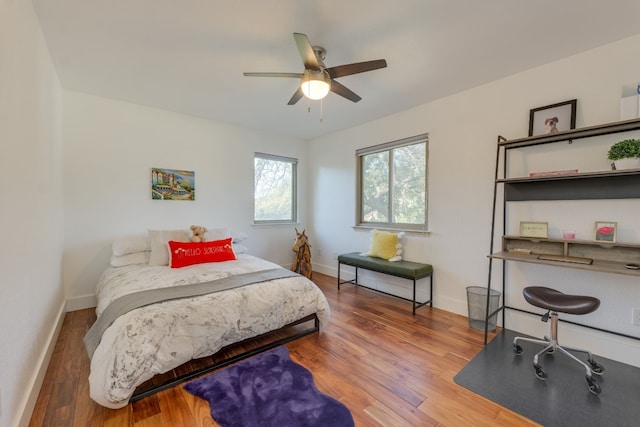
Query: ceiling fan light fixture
<point>315,84</point>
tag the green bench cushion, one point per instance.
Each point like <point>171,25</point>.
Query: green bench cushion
<point>404,269</point>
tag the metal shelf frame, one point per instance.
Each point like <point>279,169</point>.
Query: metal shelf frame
<point>580,186</point>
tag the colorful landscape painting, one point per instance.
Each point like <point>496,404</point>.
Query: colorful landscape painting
<point>172,184</point>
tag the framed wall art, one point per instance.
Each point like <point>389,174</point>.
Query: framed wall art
<point>553,118</point>
<point>605,231</point>
<point>534,229</point>
<point>172,184</point>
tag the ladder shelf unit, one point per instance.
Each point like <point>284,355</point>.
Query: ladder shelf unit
<point>580,254</point>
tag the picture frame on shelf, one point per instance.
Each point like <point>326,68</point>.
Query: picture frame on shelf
<point>605,231</point>
<point>539,230</point>
<point>553,118</point>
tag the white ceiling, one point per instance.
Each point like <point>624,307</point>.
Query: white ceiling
<point>188,56</point>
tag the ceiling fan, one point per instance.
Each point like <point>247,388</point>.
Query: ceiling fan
<point>317,80</point>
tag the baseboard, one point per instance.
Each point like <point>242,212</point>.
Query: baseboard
<point>82,302</point>
<point>452,305</point>
<point>333,272</point>
<point>35,383</point>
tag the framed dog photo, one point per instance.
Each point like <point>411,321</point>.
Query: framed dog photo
<point>605,231</point>
<point>553,118</point>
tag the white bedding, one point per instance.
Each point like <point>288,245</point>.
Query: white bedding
<point>159,337</point>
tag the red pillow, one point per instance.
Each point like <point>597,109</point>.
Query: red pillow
<point>182,254</point>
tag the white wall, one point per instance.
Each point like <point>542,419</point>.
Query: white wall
<point>109,150</point>
<point>463,130</point>
<point>31,292</point>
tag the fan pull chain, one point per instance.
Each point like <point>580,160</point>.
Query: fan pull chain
<point>321,109</point>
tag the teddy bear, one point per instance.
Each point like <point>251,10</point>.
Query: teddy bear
<point>198,233</point>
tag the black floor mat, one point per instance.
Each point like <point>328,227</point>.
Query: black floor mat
<point>563,399</point>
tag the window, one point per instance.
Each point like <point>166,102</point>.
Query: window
<point>275,181</point>
<point>392,184</point>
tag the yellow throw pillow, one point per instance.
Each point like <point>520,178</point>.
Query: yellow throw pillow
<point>385,245</point>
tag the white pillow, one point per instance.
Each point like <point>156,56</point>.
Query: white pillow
<point>130,259</point>
<point>217,233</point>
<point>159,249</point>
<point>130,244</point>
<point>238,236</point>
<point>239,249</point>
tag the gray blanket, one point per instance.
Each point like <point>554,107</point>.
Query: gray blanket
<point>139,299</point>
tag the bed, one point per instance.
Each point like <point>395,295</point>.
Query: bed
<point>235,300</point>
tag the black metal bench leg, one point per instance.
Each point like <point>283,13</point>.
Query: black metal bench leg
<point>352,281</point>
<point>431,290</point>
<point>414,297</point>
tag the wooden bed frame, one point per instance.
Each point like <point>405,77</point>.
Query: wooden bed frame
<point>228,355</point>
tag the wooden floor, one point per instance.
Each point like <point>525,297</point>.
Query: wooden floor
<point>388,367</point>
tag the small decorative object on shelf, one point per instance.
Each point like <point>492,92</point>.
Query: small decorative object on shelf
<point>630,102</point>
<point>534,229</point>
<point>605,231</point>
<point>519,251</point>
<point>553,173</point>
<point>568,234</point>
<point>553,118</point>
<point>625,154</point>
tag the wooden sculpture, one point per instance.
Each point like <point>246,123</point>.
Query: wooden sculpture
<point>302,260</point>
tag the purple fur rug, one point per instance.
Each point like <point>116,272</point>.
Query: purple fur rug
<point>269,390</point>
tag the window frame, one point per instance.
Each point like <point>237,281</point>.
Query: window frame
<point>388,147</point>
<point>294,188</point>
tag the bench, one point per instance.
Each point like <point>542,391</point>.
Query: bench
<point>404,269</point>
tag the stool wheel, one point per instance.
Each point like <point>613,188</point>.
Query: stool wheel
<point>593,386</point>
<point>542,375</point>
<point>596,368</point>
<point>517,349</point>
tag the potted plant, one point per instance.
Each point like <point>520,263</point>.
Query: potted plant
<point>625,154</point>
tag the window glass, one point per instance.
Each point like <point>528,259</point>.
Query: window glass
<point>392,184</point>
<point>375,187</point>
<point>274,188</point>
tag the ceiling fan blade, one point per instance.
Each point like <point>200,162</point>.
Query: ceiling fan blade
<point>343,91</point>
<point>296,75</point>
<point>306,52</point>
<point>296,97</point>
<point>358,67</point>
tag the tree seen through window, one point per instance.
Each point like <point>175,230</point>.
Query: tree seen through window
<point>274,188</point>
